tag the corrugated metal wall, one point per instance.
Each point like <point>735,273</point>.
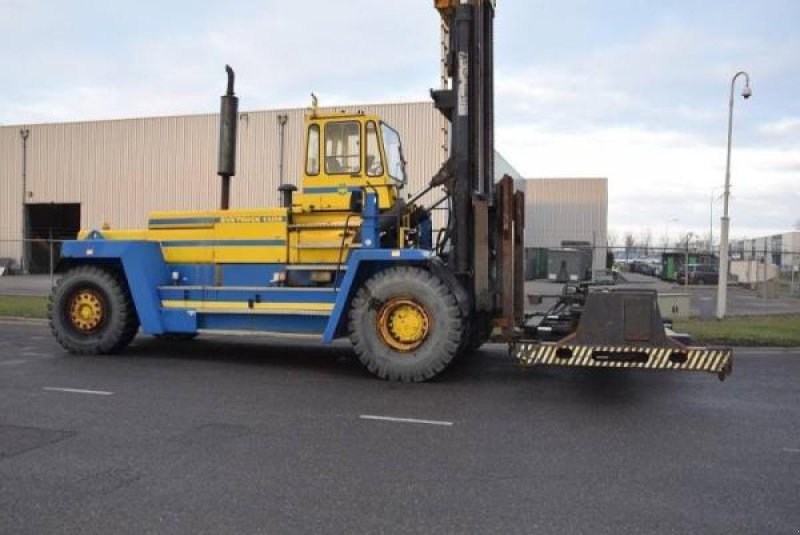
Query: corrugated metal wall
<point>10,192</point>
<point>120,170</point>
<point>566,209</point>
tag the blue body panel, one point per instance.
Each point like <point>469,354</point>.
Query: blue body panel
<point>362,264</point>
<point>151,280</point>
<point>271,324</point>
<point>144,267</point>
<point>266,295</point>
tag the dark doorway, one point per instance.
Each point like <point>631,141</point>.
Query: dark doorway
<point>49,221</point>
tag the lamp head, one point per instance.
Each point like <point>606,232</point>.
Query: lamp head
<point>747,92</point>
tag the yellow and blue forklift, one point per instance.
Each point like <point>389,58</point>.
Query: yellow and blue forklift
<point>352,254</point>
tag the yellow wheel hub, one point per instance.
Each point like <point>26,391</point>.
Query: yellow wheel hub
<point>403,324</point>
<point>86,310</point>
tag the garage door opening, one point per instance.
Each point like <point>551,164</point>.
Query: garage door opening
<point>45,222</point>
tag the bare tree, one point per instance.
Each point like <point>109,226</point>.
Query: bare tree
<point>664,241</point>
<point>611,238</point>
<point>646,240</point>
<point>630,243</point>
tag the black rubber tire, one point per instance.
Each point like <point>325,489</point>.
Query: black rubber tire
<point>480,330</point>
<point>121,322</point>
<point>442,342</point>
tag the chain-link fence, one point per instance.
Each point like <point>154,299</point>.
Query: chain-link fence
<point>759,282</point>
<point>37,256</point>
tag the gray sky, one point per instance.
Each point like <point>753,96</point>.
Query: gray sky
<point>633,90</point>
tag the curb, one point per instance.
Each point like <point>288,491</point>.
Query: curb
<point>14,320</point>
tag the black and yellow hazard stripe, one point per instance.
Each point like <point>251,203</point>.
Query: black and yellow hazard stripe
<point>717,360</point>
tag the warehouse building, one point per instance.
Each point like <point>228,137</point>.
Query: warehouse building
<point>564,213</point>
<point>79,175</point>
<point>781,250</point>
<point>88,174</point>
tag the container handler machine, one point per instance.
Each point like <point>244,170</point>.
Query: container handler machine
<point>351,254</point>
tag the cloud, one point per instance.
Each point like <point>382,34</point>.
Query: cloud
<point>279,51</point>
<point>656,176</point>
<point>781,127</point>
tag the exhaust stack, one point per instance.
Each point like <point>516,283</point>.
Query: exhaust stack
<point>228,122</point>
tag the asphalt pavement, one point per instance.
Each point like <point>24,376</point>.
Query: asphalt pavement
<point>250,435</point>
<point>26,284</point>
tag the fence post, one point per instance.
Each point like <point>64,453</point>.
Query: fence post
<point>686,266</point>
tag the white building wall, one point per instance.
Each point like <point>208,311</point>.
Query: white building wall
<point>781,249</point>
<point>567,209</point>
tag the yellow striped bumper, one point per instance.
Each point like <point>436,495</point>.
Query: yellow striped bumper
<point>718,360</point>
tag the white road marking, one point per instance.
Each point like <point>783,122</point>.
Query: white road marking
<point>12,362</point>
<point>78,391</point>
<point>403,420</point>
<point>791,450</point>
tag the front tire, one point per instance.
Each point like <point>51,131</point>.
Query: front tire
<point>405,325</point>
<point>480,331</point>
<point>91,311</point>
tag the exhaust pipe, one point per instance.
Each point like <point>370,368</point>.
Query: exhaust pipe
<point>228,122</point>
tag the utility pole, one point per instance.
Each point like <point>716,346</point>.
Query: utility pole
<point>686,263</point>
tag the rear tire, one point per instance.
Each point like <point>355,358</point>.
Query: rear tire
<point>91,311</point>
<point>405,325</point>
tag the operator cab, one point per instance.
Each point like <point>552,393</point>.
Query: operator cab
<point>346,154</point>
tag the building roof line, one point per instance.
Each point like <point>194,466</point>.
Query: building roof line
<point>322,109</point>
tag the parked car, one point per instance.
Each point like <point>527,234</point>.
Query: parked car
<point>699,274</point>
<point>643,266</point>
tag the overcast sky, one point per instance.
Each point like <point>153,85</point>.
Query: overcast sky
<point>635,91</point>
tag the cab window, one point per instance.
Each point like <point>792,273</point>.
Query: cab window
<point>312,158</point>
<point>374,161</point>
<point>343,148</point>
<point>394,153</point>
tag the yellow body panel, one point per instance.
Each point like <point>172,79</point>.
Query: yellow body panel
<point>320,227</point>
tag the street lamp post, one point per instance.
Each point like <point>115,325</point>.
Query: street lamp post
<point>722,290</point>
<point>711,220</point>
<point>686,261</point>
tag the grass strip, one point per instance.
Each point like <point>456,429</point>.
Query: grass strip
<point>23,306</point>
<point>773,331</point>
